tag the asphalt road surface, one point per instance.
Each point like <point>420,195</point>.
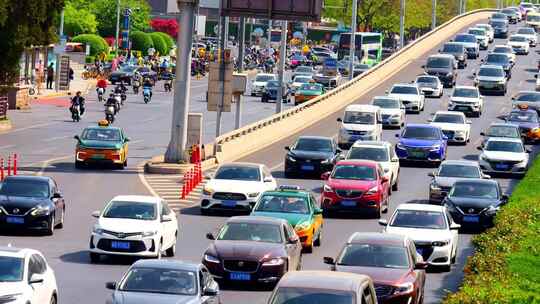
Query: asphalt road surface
<point>43,138</point>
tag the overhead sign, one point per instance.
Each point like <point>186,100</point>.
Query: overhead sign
<point>295,10</point>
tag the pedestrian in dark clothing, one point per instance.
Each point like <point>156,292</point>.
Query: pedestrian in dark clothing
<point>50,76</point>
<point>71,74</point>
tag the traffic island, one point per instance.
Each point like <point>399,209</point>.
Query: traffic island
<point>157,165</point>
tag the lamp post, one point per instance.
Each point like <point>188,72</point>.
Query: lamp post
<point>402,24</point>
<point>352,54</point>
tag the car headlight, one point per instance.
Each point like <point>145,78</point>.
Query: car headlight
<point>492,209</point>
<point>274,262</point>
<point>400,146</point>
<point>208,190</point>
<point>435,148</point>
<point>290,158</point>
<point>404,288</point>
<point>303,225</point>
<point>10,297</point>
<point>440,243</point>
<point>97,230</point>
<point>434,187</point>
<point>395,116</point>
<point>373,190</point>
<point>40,210</point>
<point>211,259</point>
<point>483,157</point>
<point>149,233</point>
<point>460,132</point>
<point>253,194</point>
<point>502,81</point>
<point>327,188</point>
<point>326,161</point>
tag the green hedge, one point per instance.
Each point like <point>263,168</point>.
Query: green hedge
<point>506,265</point>
<point>141,41</point>
<point>159,43</point>
<point>90,59</point>
<point>168,39</point>
<point>97,43</point>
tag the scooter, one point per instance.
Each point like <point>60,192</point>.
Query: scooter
<point>75,113</point>
<point>100,92</point>
<point>109,113</point>
<point>147,92</point>
<point>136,86</point>
<point>168,85</point>
<point>123,98</point>
<point>118,98</point>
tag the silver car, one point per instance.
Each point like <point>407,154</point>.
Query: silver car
<point>165,282</point>
<point>448,173</point>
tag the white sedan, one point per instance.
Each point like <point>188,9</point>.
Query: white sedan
<point>258,85</point>
<point>530,33</point>
<point>519,43</point>
<point>236,187</point>
<point>26,277</point>
<point>410,95</point>
<point>504,155</point>
<point>433,231</point>
<point>431,86</point>
<point>134,225</point>
<point>454,125</point>
<point>392,111</point>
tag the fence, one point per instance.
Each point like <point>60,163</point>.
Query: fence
<point>3,107</point>
<point>8,166</point>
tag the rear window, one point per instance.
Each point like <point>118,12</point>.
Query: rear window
<point>438,62</point>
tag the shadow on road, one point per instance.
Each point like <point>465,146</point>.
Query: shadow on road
<point>82,257</point>
<point>69,167</point>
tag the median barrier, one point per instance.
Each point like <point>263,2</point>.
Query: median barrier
<point>236,144</point>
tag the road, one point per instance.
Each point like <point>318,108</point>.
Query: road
<point>43,138</point>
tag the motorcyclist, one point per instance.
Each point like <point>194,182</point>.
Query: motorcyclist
<point>147,86</point>
<point>120,89</point>
<point>112,102</point>
<point>77,100</point>
<point>101,84</point>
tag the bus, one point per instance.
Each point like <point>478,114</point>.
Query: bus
<point>368,47</point>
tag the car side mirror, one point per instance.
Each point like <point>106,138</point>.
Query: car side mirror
<point>127,139</point>
<point>288,148</point>
<point>166,218</point>
<point>468,122</point>
<point>504,198</point>
<point>293,239</point>
<point>528,150</point>
<point>386,92</point>
<point>430,120</point>
<point>208,176</point>
<point>339,119</point>
<point>444,137</point>
<point>36,279</point>
<point>110,285</point>
<point>268,180</point>
<point>455,226</point>
<point>77,137</point>
<point>317,211</point>
<point>383,222</point>
<point>338,151</point>
<point>210,236</point>
<point>96,214</point>
<point>325,176</point>
<point>431,174</point>
<point>421,265</point>
<point>395,159</point>
<point>479,148</point>
<point>423,66</point>
<point>329,260</point>
<point>482,134</point>
<point>57,195</point>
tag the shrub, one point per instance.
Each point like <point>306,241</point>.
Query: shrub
<point>168,39</point>
<point>159,44</point>
<point>141,41</point>
<point>169,26</point>
<point>97,44</point>
<point>90,59</point>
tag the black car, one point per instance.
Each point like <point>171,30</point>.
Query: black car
<point>124,74</point>
<point>475,202</point>
<point>311,155</point>
<point>443,66</point>
<point>271,91</point>
<point>511,15</point>
<point>457,50</point>
<point>500,28</point>
<point>501,60</point>
<point>32,202</point>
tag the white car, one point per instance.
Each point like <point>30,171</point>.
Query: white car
<point>381,152</point>
<point>236,186</point>
<point>258,85</point>
<point>410,95</point>
<point>392,110</point>
<point>481,36</point>
<point>489,30</point>
<point>530,33</point>
<point>519,43</point>
<point>26,277</point>
<point>505,49</point>
<point>504,155</point>
<point>432,229</point>
<point>359,122</point>
<point>466,99</point>
<point>454,125</point>
<point>298,81</point>
<point>430,85</point>
<point>134,225</point>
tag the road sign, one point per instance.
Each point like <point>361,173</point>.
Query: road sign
<point>218,88</point>
<point>63,81</point>
<point>294,10</point>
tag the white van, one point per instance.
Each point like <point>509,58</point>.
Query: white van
<point>359,122</point>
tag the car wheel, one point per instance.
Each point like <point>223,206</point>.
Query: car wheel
<point>79,164</point>
<point>159,252</point>
<point>171,251</point>
<point>62,217</point>
<point>50,228</point>
<point>94,258</point>
<point>309,248</point>
<point>377,213</point>
<point>318,241</point>
<point>395,186</point>
<point>453,259</point>
<point>53,299</point>
<point>386,204</point>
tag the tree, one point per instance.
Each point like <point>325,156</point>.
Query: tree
<point>105,11</point>
<point>78,20</point>
<point>169,41</point>
<point>169,26</point>
<point>24,23</point>
<point>97,44</point>
<point>141,41</point>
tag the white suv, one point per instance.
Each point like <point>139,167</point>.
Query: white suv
<point>25,277</point>
<point>134,225</point>
<point>359,122</point>
<point>410,95</point>
<point>454,125</point>
<point>504,155</point>
<point>466,99</point>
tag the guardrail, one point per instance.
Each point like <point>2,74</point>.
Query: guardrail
<point>3,107</point>
<point>255,136</point>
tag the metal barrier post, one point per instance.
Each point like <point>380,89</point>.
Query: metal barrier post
<point>1,169</point>
<point>9,165</point>
<point>15,164</point>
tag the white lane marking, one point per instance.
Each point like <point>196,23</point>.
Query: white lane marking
<point>7,147</point>
<point>33,127</point>
<point>140,173</point>
<point>57,138</point>
<point>46,163</point>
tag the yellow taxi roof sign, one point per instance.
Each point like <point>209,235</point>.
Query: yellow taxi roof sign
<point>103,123</point>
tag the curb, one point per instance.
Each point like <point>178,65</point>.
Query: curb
<point>5,125</point>
<point>157,166</point>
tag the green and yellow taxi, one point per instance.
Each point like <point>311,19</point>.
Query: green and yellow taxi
<point>101,144</point>
<point>299,208</point>
<point>308,91</point>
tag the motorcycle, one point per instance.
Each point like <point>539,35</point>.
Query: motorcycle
<point>100,92</point>
<point>147,92</point>
<point>118,99</point>
<point>110,111</point>
<point>75,113</point>
<point>136,86</point>
<point>168,85</point>
<point>123,98</point>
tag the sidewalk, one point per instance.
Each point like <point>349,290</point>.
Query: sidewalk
<point>78,84</point>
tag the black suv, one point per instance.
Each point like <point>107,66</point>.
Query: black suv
<point>457,50</point>
<point>443,66</point>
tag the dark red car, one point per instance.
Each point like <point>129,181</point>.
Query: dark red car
<point>356,186</point>
<point>253,249</point>
<point>391,261</point>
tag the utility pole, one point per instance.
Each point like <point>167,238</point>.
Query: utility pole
<point>118,26</point>
<point>269,35</point>
<point>402,24</point>
<point>352,54</point>
<point>241,48</point>
<point>433,14</point>
<point>177,145</point>
<point>61,29</point>
<point>223,44</point>
<point>282,58</point>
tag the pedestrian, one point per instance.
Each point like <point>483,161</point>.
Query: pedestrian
<point>71,74</point>
<point>50,76</point>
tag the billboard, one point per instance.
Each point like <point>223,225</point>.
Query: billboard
<point>296,10</point>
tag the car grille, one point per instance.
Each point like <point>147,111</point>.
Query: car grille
<point>122,235</point>
<point>469,210</point>
<point>229,196</point>
<point>14,210</point>
<point>449,134</point>
<point>353,132</point>
<point>385,116</point>
<point>509,164</point>
<point>417,152</point>
<point>349,193</point>
<point>240,265</point>
<point>427,249</point>
<point>383,290</point>
<point>471,50</point>
<point>134,246</point>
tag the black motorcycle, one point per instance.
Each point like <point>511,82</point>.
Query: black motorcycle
<point>110,111</point>
<point>136,86</point>
<point>75,113</point>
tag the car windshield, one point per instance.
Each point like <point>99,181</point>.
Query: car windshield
<point>419,219</point>
<point>533,18</point>
<point>386,103</point>
<point>498,16</point>
<point>528,97</point>
<point>504,146</point>
<point>303,69</point>
<point>421,133</point>
<point>104,134</point>
<point>526,31</point>
<point>466,93</point>
<point>314,144</point>
<point>24,188</point>
<point>497,58</point>
<point>363,118</point>
<point>476,190</point>
<point>245,173</point>
<point>502,50</point>
<point>425,79</point>
<point>452,48</point>
<point>477,32</point>
<point>310,87</point>
<point>503,131</point>
<point>297,295</point>
<point>491,72</point>
<point>449,118</point>
<point>454,170</point>
<point>302,79</point>
<point>523,116</point>
<point>404,90</point>
<point>282,204</point>
<point>361,66</point>
<point>368,153</point>
<point>508,11</point>
<point>272,84</point>
<point>374,255</point>
<point>11,269</point>
<point>519,39</point>
<point>128,68</point>
<point>436,62</point>
<point>160,280</point>
<point>131,210</point>
<point>498,23</point>
<point>354,172</point>
<point>465,38</point>
<point>298,57</point>
<point>264,78</point>
<point>254,232</point>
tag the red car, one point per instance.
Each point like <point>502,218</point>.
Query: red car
<point>356,186</point>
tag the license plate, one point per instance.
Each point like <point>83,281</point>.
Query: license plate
<point>229,203</point>
<point>98,156</point>
<point>417,154</point>
<point>348,203</point>
<point>240,276</point>
<point>501,166</point>
<point>15,220</point>
<point>471,219</point>
<point>308,167</point>
<point>462,108</point>
<point>119,245</point>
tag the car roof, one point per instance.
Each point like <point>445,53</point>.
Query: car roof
<point>9,251</point>
<point>453,43</point>
<point>404,84</point>
<point>167,264</point>
<point>137,198</point>
<point>420,207</point>
<point>465,87</point>
<point>476,28</point>
<point>455,113</point>
<point>503,124</point>
<point>385,97</point>
<point>241,164</point>
<point>420,125</point>
<point>323,279</point>
<point>358,162</point>
<point>506,46</point>
<point>460,162</point>
<point>265,74</point>
<point>372,143</point>
<point>362,107</point>
<point>510,139</point>
<point>377,238</point>
<point>491,66</point>
<point>446,56</point>
<point>28,178</point>
<point>315,137</point>
<point>253,219</point>
<point>101,127</point>
<point>427,76</point>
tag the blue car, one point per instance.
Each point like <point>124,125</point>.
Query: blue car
<point>422,142</point>
<point>271,91</point>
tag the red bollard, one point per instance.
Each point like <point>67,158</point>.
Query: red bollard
<point>183,195</point>
<point>9,165</point>
<point>189,180</point>
<point>200,172</point>
<point>197,175</point>
<point>192,180</point>
<point>1,169</point>
<point>15,164</point>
